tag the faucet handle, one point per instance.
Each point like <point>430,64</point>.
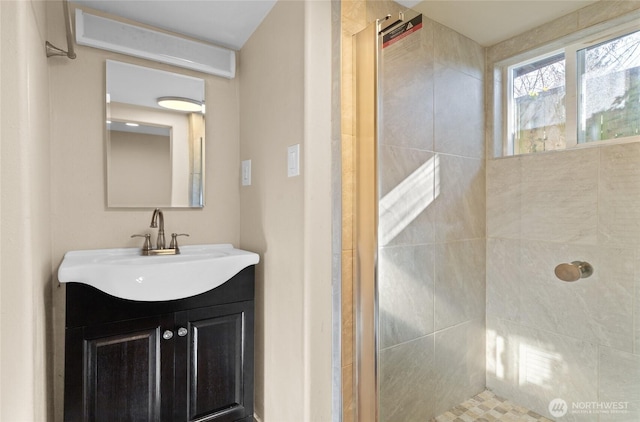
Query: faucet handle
<point>174,240</point>
<point>147,241</point>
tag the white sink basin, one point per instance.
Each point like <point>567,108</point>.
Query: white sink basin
<point>126,274</point>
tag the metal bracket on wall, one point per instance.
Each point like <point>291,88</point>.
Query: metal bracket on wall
<point>51,49</point>
<point>574,271</point>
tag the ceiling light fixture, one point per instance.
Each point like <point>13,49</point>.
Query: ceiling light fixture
<point>180,104</point>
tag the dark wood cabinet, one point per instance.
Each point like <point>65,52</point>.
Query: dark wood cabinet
<point>184,360</point>
<point>115,371</point>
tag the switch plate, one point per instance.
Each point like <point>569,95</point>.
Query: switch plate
<point>246,173</point>
<point>293,160</point>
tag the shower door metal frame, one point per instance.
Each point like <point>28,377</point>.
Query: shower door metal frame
<point>366,62</point>
<point>368,117</point>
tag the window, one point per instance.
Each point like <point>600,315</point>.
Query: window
<point>538,104</point>
<point>609,89</point>
<point>586,92</point>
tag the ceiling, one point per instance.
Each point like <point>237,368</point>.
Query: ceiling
<point>141,86</point>
<point>490,21</point>
<point>230,23</point>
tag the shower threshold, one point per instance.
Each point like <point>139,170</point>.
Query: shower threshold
<point>487,407</point>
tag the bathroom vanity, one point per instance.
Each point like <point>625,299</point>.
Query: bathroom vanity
<point>189,359</point>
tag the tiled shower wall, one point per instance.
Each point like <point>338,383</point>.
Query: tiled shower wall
<point>545,339</point>
<point>432,272</point>
<point>549,339</point>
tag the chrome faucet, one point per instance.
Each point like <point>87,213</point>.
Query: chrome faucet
<point>160,243</point>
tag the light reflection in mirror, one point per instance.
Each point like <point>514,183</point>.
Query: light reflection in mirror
<point>160,162</point>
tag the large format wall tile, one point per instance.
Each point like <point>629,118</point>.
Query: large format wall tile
<point>619,375</point>
<point>405,289</point>
<point>347,307</point>
<point>504,194</point>
<point>636,307</point>
<point>408,179</point>
<point>577,205</point>
<point>458,52</point>
<point>354,15</point>
<point>459,113</point>
<point>504,278</point>
<point>619,195</point>
<point>407,91</point>
<point>378,9</point>
<point>598,309</point>
<point>348,403</point>
<point>459,364</point>
<point>532,367</point>
<point>347,108</point>
<point>419,187</point>
<point>406,381</point>
<point>348,183</point>
<point>534,38</point>
<point>603,11</point>
<point>459,282</point>
<point>559,201</point>
<point>494,129</point>
<point>460,199</point>
<point>549,339</point>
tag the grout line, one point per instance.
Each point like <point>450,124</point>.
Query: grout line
<point>470,408</point>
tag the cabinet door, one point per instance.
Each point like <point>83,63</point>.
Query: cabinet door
<point>119,371</point>
<point>218,349</point>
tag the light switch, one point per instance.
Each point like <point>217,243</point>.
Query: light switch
<point>293,160</point>
<point>246,173</point>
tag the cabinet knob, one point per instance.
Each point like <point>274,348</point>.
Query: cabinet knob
<point>182,331</point>
<point>167,335</point>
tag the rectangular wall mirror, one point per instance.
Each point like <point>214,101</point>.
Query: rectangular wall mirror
<point>155,138</point>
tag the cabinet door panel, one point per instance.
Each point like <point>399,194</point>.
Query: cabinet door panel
<point>127,370</point>
<point>216,364</point>
<point>118,372</point>
<point>219,380</point>
<point>124,372</point>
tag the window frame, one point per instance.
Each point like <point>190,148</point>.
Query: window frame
<point>505,85</point>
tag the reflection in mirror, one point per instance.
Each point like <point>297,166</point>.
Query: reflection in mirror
<point>155,155</point>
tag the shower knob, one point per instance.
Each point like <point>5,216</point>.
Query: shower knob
<point>574,271</point>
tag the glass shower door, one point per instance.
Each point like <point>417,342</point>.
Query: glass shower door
<point>419,223</point>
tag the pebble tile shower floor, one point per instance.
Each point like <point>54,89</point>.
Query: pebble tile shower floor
<point>487,407</point>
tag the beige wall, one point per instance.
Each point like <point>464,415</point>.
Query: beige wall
<point>318,210</point>
<point>80,219</point>
<point>78,173</point>
<point>285,100</point>
<point>272,100</point>
<point>132,157</point>
<point>53,199</point>
<point>180,145</point>
<point>25,260</point>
